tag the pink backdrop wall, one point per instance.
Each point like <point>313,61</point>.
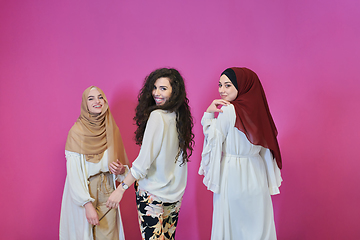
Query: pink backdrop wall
<point>306,53</point>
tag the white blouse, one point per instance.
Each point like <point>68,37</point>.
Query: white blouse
<point>155,167</point>
<point>224,140</point>
<point>79,171</point>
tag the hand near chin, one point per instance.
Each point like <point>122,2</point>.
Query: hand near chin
<point>216,104</point>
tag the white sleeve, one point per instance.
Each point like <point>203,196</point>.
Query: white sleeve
<point>215,132</point>
<point>272,171</point>
<point>151,145</point>
<point>206,122</point>
<point>79,190</point>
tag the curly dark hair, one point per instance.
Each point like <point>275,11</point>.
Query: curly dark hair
<point>178,103</point>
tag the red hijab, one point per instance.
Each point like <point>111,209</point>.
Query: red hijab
<point>253,116</point>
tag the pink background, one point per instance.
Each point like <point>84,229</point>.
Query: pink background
<point>306,54</point>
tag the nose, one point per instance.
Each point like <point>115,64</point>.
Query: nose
<point>156,92</point>
<point>221,89</point>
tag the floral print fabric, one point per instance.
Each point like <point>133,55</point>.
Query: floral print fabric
<point>157,219</point>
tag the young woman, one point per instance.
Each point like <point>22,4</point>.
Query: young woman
<point>165,134</point>
<point>241,158</point>
<point>95,155</point>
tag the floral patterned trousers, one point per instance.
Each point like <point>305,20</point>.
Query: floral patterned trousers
<point>157,219</point>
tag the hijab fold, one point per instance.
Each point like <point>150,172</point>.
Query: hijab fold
<point>92,134</point>
<point>253,116</point>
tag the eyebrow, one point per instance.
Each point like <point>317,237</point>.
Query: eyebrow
<point>93,96</point>
<point>226,82</point>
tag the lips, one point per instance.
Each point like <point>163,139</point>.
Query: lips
<point>158,100</point>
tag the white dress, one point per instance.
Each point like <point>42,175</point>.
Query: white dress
<point>73,222</point>
<point>242,177</point>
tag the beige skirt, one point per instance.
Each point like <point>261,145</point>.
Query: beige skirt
<point>100,187</point>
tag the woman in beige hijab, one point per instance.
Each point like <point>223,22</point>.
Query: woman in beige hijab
<point>96,158</point>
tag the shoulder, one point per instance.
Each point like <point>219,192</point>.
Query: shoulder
<point>228,110</point>
<point>156,118</point>
<point>156,115</point>
<point>157,112</point>
<point>227,107</point>
<point>162,114</point>
<point>228,116</point>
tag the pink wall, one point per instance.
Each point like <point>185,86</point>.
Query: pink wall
<point>305,52</point>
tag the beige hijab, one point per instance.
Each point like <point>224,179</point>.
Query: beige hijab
<point>92,134</point>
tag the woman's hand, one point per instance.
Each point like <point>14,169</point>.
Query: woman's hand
<point>116,167</point>
<point>91,214</point>
<point>115,198</point>
<point>215,104</point>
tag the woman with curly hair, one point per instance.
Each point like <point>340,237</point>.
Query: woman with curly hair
<point>241,160</point>
<point>164,131</point>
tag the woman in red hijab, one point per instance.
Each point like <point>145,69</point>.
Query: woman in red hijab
<point>241,159</point>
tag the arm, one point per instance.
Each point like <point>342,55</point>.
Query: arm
<point>150,146</point>
<point>78,186</point>
<point>77,179</point>
<point>209,118</point>
<point>91,214</point>
<point>117,195</point>
<point>214,106</point>
<point>215,132</point>
<point>150,149</point>
<point>217,127</point>
<point>118,169</point>
<point>272,171</point>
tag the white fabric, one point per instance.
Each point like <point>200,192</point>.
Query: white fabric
<point>73,222</point>
<point>155,167</point>
<point>242,177</point>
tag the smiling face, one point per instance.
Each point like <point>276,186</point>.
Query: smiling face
<point>226,89</point>
<point>162,90</point>
<point>95,101</point>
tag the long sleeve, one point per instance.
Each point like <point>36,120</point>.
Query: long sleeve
<point>73,222</point>
<point>215,132</point>
<point>151,145</point>
<point>77,178</point>
<point>272,171</point>
<point>156,168</point>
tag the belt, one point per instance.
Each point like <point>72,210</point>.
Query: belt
<point>241,156</point>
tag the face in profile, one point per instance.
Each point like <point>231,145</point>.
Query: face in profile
<point>227,90</point>
<point>95,101</point>
<point>162,90</point>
